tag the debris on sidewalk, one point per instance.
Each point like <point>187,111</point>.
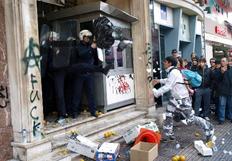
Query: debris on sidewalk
<point>109,134</point>
<point>197,134</point>
<point>108,152</point>
<point>149,136</point>
<point>177,146</point>
<point>144,151</point>
<point>202,148</point>
<point>133,133</point>
<point>178,158</point>
<point>82,145</point>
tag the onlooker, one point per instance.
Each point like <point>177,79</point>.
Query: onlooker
<point>202,93</point>
<point>224,90</point>
<point>213,87</point>
<point>186,64</point>
<point>175,53</point>
<point>212,63</point>
<point>193,55</point>
<point>218,64</point>
<point>180,63</point>
<point>230,61</point>
<point>180,101</point>
<point>194,66</point>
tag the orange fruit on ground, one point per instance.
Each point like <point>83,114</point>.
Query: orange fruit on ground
<point>182,158</point>
<point>176,158</point>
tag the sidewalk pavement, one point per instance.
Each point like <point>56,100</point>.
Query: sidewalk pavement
<point>185,135</point>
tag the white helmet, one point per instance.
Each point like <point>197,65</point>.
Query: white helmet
<point>84,33</point>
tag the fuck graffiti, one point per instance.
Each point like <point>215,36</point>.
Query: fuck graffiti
<point>34,96</point>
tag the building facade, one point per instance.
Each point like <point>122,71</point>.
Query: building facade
<point>177,24</point>
<point>5,108</point>
<point>218,30</point>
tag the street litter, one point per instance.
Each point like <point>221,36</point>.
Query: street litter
<point>177,146</point>
<point>149,136</point>
<point>83,146</point>
<point>144,151</point>
<point>202,148</point>
<point>133,133</point>
<point>178,158</point>
<point>109,134</point>
<point>197,134</point>
<point>108,152</point>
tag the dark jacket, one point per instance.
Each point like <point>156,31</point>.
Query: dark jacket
<point>194,68</point>
<point>86,54</point>
<point>61,55</point>
<point>206,76</point>
<point>224,82</point>
<point>214,78</point>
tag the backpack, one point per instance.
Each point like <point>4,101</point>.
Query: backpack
<point>192,77</point>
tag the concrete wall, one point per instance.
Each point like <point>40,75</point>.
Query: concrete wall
<point>174,34</point>
<point>5,121</point>
<point>121,4</point>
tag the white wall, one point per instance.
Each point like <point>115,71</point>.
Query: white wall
<point>209,52</point>
<point>185,31</point>
<point>163,17</point>
<point>199,28</point>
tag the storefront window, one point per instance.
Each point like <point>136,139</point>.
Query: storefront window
<point>220,51</point>
<point>121,51</point>
<point>66,29</point>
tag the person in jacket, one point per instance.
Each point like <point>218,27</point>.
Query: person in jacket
<point>213,87</point>
<point>203,92</point>
<point>179,102</point>
<point>87,53</point>
<point>225,91</point>
<point>194,64</point>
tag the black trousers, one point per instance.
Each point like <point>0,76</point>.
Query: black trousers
<point>84,82</point>
<point>64,93</point>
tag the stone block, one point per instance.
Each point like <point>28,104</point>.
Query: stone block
<point>32,151</point>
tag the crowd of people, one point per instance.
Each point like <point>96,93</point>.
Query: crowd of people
<point>194,105</point>
<point>214,95</point>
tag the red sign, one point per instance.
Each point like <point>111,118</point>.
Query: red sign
<point>220,30</point>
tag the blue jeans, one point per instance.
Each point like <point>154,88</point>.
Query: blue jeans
<point>224,101</point>
<point>202,94</point>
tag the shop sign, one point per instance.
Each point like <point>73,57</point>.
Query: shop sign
<point>220,30</point>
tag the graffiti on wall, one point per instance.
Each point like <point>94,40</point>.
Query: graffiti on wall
<point>119,85</point>
<point>34,96</point>
<point>149,61</point>
<point>4,97</point>
<point>31,59</point>
<point>119,88</point>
